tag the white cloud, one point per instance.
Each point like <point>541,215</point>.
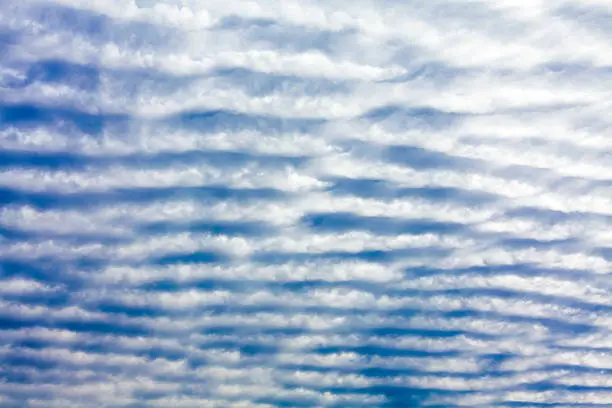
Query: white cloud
<point>119,177</point>
<point>330,271</point>
<point>20,286</point>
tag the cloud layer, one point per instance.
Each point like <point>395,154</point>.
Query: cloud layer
<point>305,203</point>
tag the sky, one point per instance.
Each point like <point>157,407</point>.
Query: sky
<point>305,203</point>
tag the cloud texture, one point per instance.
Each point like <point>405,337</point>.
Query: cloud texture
<point>305,203</point>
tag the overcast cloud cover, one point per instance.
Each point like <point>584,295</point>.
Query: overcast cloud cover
<point>286,203</point>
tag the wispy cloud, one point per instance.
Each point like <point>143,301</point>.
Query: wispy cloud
<point>305,203</point>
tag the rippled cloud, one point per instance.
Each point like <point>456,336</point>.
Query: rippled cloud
<point>305,203</point>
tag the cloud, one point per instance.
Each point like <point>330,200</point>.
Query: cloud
<point>305,203</point>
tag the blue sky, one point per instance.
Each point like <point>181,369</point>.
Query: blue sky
<point>303,203</point>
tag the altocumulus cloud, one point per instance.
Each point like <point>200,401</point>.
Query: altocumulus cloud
<point>310,203</point>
